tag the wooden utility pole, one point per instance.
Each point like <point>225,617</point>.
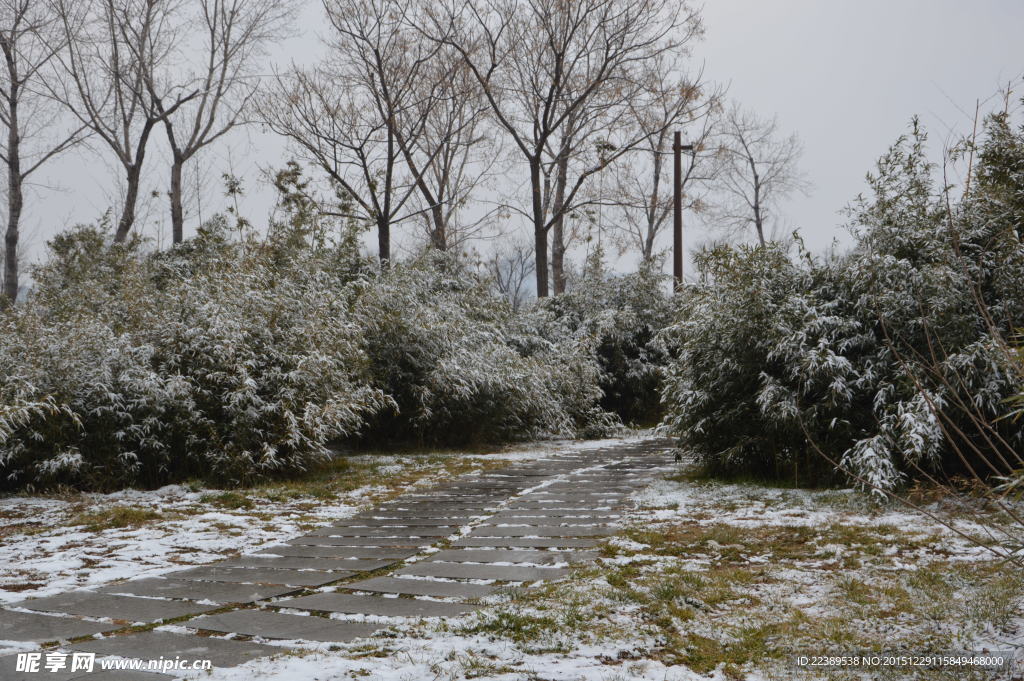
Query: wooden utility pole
<point>677,218</point>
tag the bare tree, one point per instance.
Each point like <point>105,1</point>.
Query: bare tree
<point>447,148</point>
<point>510,267</point>
<point>218,83</point>
<point>642,189</point>
<point>558,77</point>
<point>759,168</point>
<point>345,115</point>
<point>29,37</point>
<point>111,48</point>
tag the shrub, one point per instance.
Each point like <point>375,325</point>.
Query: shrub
<point>620,314</point>
<point>219,360</point>
<point>461,366</point>
<point>871,354</point>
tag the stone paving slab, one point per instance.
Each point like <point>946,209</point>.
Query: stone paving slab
<point>152,645</point>
<point>37,628</point>
<point>216,573</point>
<point>408,521</point>
<point>559,521</point>
<point>527,542</point>
<point>128,608</point>
<point>397,516</point>
<point>422,587</point>
<point>577,507</point>
<point>216,592</point>
<point>429,511</point>
<point>390,531</point>
<point>307,563</point>
<point>368,542</point>
<point>504,573</point>
<point>542,531</point>
<point>271,624</point>
<point>376,605</point>
<point>470,555</point>
<point>339,552</point>
<point>557,513</point>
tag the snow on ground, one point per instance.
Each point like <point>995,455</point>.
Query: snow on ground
<point>46,551</point>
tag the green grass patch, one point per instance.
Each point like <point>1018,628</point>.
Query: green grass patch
<point>115,517</point>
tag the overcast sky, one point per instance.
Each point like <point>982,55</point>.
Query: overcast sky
<point>845,75</point>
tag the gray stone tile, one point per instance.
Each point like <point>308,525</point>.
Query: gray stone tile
<point>271,624</point>
<point>215,592</point>
<point>38,628</point>
<point>307,563</point>
<point>390,531</point>
<point>127,608</point>
<point>405,542</point>
<point>469,555</point>
<point>216,573</point>
<point>542,531</point>
<point>560,521</point>
<point>569,514</point>
<point>340,552</point>
<point>376,605</point>
<point>527,542</point>
<point>409,521</point>
<point>504,573</point>
<point>441,518</point>
<point>421,587</point>
<point>575,507</point>
<point>151,645</point>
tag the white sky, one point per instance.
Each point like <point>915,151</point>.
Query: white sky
<point>845,75</point>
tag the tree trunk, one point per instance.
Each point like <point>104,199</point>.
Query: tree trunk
<point>177,213</point>
<point>384,241</point>
<point>131,199</point>
<point>439,234</point>
<point>15,202</point>
<point>540,234</point>
<point>558,229</point>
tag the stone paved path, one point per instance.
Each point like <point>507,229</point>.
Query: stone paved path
<point>434,553</point>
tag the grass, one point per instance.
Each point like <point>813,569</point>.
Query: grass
<point>115,517</point>
<point>711,593</point>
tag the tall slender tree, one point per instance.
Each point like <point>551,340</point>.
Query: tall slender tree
<point>759,168</point>
<point>220,69</point>
<point>29,39</point>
